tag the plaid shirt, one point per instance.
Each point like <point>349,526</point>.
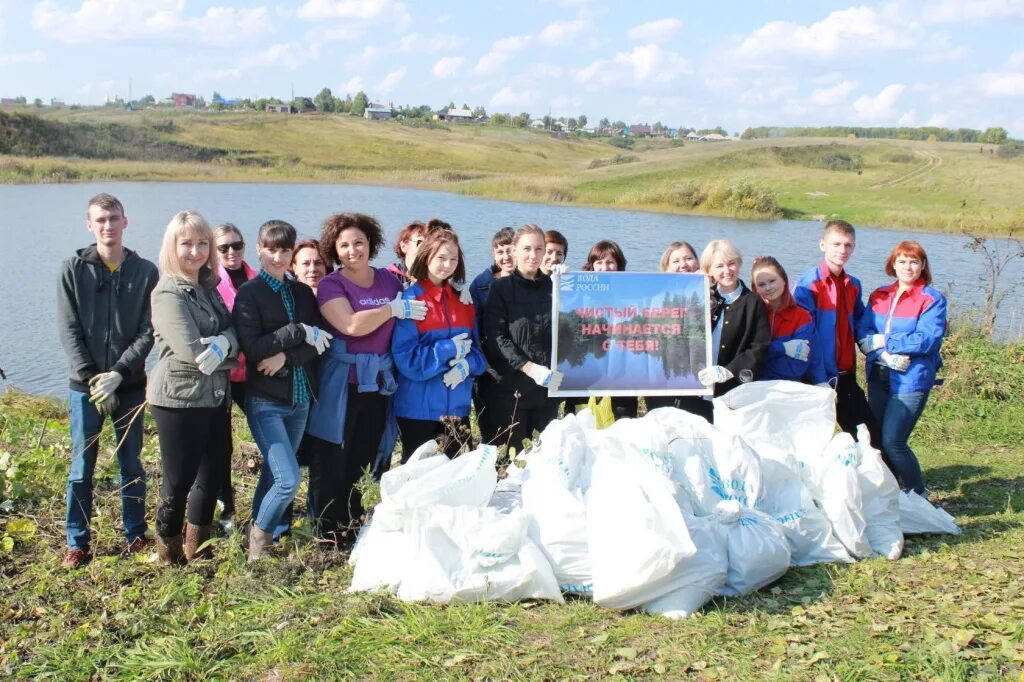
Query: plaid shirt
<point>300,386</point>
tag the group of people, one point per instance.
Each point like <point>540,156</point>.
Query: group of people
<point>334,361</point>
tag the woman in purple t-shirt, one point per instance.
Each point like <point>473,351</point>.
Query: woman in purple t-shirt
<point>359,304</point>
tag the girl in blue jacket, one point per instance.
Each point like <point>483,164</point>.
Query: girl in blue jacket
<point>436,356</point>
<point>791,355</point>
<point>901,333</point>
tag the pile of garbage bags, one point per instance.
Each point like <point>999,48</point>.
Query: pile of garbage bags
<point>660,513</point>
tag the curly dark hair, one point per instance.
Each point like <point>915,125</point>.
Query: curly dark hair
<point>338,222</point>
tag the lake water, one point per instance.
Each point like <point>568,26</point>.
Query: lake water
<point>43,224</point>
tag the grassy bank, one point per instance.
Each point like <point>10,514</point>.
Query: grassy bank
<point>887,183</point>
<point>950,609</point>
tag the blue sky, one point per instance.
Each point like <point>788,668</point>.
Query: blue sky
<point>955,63</point>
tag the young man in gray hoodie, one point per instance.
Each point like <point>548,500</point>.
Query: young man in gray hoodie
<point>103,311</point>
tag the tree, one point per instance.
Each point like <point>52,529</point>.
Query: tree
<point>37,102</point>
<point>479,112</point>
<point>993,136</point>
<point>359,103</point>
<point>604,124</point>
<point>996,256</point>
<point>499,119</point>
<point>20,100</point>
<point>582,120</point>
<point>325,101</point>
<point>522,120</point>
<point>147,101</point>
<point>547,122</point>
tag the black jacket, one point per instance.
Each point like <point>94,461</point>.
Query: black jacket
<point>517,324</point>
<point>104,317</point>
<point>263,329</point>
<point>746,335</point>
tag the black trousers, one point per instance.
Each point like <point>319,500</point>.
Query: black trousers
<point>335,469</point>
<point>416,432</point>
<point>194,444</point>
<point>517,423</point>
<point>485,392</point>
<point>852,409</point>
<point>227,491</point>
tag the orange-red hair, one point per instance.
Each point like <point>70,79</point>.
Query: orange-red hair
<point>910,248</point>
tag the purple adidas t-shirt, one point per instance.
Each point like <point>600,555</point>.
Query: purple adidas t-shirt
<point>383,290</point>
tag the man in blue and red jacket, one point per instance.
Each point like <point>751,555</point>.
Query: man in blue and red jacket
<point>833,297</point>
<point>426,353</point>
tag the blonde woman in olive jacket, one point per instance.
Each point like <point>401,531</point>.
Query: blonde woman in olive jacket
<point>189,388</point>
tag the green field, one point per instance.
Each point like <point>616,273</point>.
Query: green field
<point>951,609</point>
<point>887,183</point>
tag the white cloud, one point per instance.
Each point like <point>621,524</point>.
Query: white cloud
<point>560,32</point>
<point>882,106</point>
<point>659,31</point>
<point>34,56</point>
<point>510,99</point>
<point>946,54</point>
<point>972,11</point>
<point>853,30</point>
<point>441,42</point>
<point>448,67</point>
<point>831,96</point>
<point>939,120</point>
<point>1002,84</point>
<point>512,44</point>
<point>363,59</point>
<point>100,88</point>
<point>390,81</point>
<point>501,51</point>
<point>339,33</point>
<point>351,86</point>
<point>316,10</point>
<point>566,105</point>
<point>908,118</point>
<point>645,65</point>
<point>220,75</point>
<point>288,55</point>
<point>161,21</point>
<point>1017,58</point>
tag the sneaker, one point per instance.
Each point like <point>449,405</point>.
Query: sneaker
<point>139,544</point>
<point>76,557</point>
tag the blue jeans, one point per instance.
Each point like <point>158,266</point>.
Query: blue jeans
<point>86,424</point>
<point>277,428</point>
<point>897,414</point>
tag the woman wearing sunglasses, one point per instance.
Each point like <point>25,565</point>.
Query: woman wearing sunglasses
<point>234,272</point>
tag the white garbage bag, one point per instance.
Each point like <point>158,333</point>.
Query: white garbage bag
<point>835,484</point>
<point>704,573</point>
<point>789,502</point>
<point>919,517</point>
<point>380,558</point>
<point>473,554</point>
<point>636,531</point>
<point>880,493</point>
<point>758,552</point>
<point>779,418</point>
<point>508,493</point>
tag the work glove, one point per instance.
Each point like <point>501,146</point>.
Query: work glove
<point>798,349</point>
<point>317,338</point>
<point>899,363</point>
<point>408,309</point>
<point>871,342</point>
<point>108,406</point>
<point>217,348</point>
<point>462,345</point>
<point>457,374</point>
<point>716,374</point>
<point>548,378</point>
<point>103,385</point>
<point>559,269</point>
<point>465,297</point>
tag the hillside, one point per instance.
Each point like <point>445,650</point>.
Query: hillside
<point>940,186</point>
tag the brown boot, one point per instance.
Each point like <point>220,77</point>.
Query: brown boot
<point>260,543</point>
<point>169,551</point>
<point>195,536</point>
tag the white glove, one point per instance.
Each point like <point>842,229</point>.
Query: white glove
<point>798,349</point>
<point>457,374</point>
<point>716,374</point>
<point>899,363</point>
<point>317,337</point>
<point>217,348</point>
<point>407,308</point>
<point>559,269</point>
<point>543,376</point>
<point>107,406</point>
<point>871,342</point>
<point>103,385</point>
<point>462,345</point>
<point>465,297</point>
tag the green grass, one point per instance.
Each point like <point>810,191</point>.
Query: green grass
<point>889,183</point>
<point>951,609</point>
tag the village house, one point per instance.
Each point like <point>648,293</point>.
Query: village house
<point>378,111</point>
<point>183,100</point>
<point>279,108</point>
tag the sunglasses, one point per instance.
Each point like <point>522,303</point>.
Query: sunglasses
<point>234,246</point>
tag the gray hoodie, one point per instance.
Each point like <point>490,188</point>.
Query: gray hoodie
<point>104,317</point>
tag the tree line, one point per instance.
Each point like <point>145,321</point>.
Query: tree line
<point>994,135</point>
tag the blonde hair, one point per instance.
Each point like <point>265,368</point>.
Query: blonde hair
<point>185,221</point>
<point>722,247</point>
